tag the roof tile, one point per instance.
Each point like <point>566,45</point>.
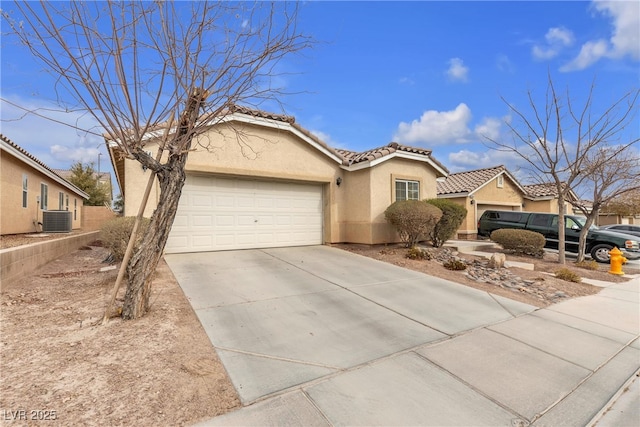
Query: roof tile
<point>466,182</point>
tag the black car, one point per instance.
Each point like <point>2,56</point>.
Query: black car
<point>623,228</point>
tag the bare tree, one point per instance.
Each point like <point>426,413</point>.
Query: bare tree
<point>167,69</point>
<point>555,138</point>
<point>609,175</point>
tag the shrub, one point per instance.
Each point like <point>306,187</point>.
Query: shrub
<point>568,275</point>
<point>520,241</point>
<point>115,234</point>
<point>414,220</point>
<point>588,265</point>
<point>455,264</point>
<point>452,216</point>
<point>418,253</point>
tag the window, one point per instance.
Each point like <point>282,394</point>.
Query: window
<point>500,181</point>
<point>75,209</point>
<point>67,202</point>
<point>407,190</point>
<point>60,201</point>
<point>44,196</point>
<point>25,188</point>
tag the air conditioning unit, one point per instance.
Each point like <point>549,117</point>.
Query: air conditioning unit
<point>57,222</point>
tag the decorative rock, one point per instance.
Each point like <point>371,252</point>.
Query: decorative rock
<point>497,260</point>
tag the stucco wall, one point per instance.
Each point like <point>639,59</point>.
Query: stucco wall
<point>94,216</point>
<point>369,192</point>
<point>14,218</point>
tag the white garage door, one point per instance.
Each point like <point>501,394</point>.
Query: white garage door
<point>223,214</point>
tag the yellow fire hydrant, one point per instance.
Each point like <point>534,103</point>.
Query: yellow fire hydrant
<point>616,261</point>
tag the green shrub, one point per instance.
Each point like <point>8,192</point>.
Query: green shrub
<point>588,265</point>
<point>417,253</point>
<point>519,241</point>
<point>452,216</point>
<point>454,264</point>
<point>414,220</point>
<point>115,234</point>
<point>568,275</point>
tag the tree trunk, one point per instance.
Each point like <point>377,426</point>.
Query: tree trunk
<point>561,230</point>
<point>171,177</point>
<point>144,262</point>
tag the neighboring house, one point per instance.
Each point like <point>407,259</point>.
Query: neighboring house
<point>497,189</point>
<point>481,190</point>
<point>104,178</point>
<point>261,180</point>
<point>29,187</point>
<point>544,198</point>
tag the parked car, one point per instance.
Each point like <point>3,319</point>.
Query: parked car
<point>623,228</point>
<point>599,242</point>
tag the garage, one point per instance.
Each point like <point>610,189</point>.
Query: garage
<point>220,213</point>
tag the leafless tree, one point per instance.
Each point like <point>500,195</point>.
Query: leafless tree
<point>555,137</point>
<point>609,175</point>
<point>169,69</point>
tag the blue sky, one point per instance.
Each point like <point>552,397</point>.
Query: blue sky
<point>426,74</point>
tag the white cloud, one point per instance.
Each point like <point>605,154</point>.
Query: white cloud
<point>457,70</point>
<point>590,53</point>
<point>435,128</point>
<point>326,138</point>
<point>504,64</point>
<point>466,160</point>
<point>624,40</point>
<point>55,144</point>
<point>557,38</point>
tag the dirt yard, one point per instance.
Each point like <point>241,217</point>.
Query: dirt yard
<point>544,287</point>
<point>58,364</point>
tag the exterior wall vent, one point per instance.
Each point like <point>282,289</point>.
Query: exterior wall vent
<point>57,221</point>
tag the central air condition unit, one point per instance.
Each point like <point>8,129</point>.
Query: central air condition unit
<point>56,222</point>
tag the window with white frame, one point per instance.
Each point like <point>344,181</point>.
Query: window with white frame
<point>500,181</point>
<point>60,201</point>
<point>407,190</point>
<point>44,196</point>
<point>25,189</point>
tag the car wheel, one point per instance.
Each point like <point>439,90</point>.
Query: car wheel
<point>601,253</point>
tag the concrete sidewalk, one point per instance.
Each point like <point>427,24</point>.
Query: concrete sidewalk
<point>317,336</point>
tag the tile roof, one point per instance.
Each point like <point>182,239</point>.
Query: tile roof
<point>348,157</point>
<point>467,182</point>
<point>541,190</point>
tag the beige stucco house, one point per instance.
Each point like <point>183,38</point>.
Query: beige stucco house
<point>544,198</point>
<point>481,190</point>
<point>497,189</point>
<point>261,180</point>
<point>30,190</point>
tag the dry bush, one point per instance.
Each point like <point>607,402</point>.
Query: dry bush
<point>520,241</point>
<point>115,234</point>
<point>418,253</point>
<point>588,265</point>
<point>455,265</point>
<point>568,275</point>
<point>414,220</point>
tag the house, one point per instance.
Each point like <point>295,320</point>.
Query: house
<point>481,190</point>
<point>496,188</point>
<point>544,198</point>
<point>257,180</point>
<point>29,189</point>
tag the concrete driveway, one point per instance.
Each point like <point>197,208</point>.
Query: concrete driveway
<point>317,336</point>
